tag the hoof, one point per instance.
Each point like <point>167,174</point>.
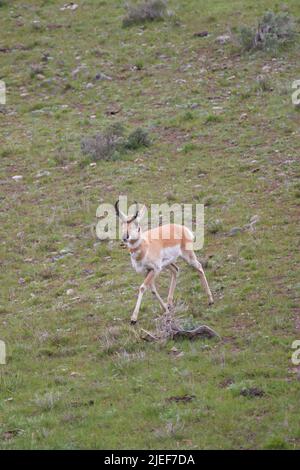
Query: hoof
<point>133,322</point>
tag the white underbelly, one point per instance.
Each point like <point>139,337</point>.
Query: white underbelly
<point>169,255</point>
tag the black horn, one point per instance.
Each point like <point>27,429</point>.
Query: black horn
<point>117,208</point>
<point>135,215</point>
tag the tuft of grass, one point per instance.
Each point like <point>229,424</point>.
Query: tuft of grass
<point>35,69</point>
<point>276,443</point>
<point>272,31</point>
<point>11,382</point>
<point>187,148</point>
<point>215,226</point>
<point>6,153</point>
<point>171,429</point>
<point>213,118</point>
<point>263,83</point>
<point>48,401</point>
<point>148,10</point>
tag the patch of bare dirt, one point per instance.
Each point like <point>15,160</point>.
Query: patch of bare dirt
<point>174,136</point>
<point>181,398</point>
<point>252,392</point>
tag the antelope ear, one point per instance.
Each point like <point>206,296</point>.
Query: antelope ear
<point>141,214</point>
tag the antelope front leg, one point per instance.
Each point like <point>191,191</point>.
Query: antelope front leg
<point>154,291</point>
<point>205,284</point>
<point>147,282</point>
<point>174,271</point>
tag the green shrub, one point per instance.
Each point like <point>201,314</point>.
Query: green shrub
<point>138,138</point>
<point>276,443</point>
<point>246,38</point>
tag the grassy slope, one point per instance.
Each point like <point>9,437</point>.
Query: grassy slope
<point>71,384</point>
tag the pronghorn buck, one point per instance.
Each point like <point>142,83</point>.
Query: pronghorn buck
<point>157,249</point>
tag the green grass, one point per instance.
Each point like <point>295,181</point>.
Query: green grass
<point>78,375</point>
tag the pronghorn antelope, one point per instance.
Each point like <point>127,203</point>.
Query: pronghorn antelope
<point>155,250</point>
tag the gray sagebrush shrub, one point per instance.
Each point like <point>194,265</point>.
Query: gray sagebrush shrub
<point>103,145</point>
<point>111,144</point>
<point>147,10</point>
<point>272,31</point>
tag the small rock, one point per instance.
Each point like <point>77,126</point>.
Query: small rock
<point>75,72</point>
<point>234,231</point>
<point>74,374</point>
<point>113,109</point>
<point>66,250</point>
<point>42,173</point>
<point>201,34</point>
<point>254,219</point>
<point>223,39</point>
<point>102,76</point>
<point>266,68</point>
<point>69,6</point>
<point>81,67</point>
<point>70,292</point>
<point>17,177</point>
<point>252,392</point>
<point>176,353</point>
<point>89,85</point>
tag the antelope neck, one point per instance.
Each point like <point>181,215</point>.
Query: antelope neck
<point>136,246</point>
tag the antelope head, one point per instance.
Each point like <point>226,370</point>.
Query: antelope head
<point>131,229</point>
